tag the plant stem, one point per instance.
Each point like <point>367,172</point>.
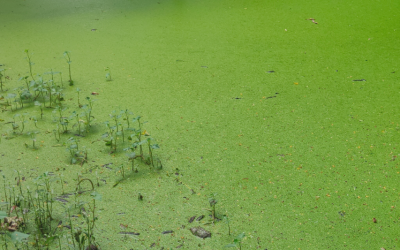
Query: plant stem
<point>30,63</point>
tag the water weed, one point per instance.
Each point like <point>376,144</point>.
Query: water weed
<point>237,242</point>
<point>213,202</point>
<point>67,58</point>
<point>25,78</point>
<point>2,72</point>
<point>38,206</point>
<point>226,220</point>
<point>76,155</point>
<point>30,63</point>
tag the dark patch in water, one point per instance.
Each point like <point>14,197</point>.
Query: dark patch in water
<point>129,233</point>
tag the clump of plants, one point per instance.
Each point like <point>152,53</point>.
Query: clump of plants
<point>2,71</point>
<point>30,215</point>
<point>30,220</point>
<point>76,155</point>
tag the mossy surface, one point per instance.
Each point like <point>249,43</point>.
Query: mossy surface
<point>252,100</point>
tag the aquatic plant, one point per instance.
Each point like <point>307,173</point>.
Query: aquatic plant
<point>62,120</point>
<point>121,169</point>
<point>33,138</point>
<point>237,242</point>
<point>139,133</point>
<point>151,147</point>
<point>88,112</point>
<point>30,63</point>
<point>79,103</point>
<point>62,84</point>
<point>23,94</point>
<point>213,202</point>
<point>2,71</point>
<point>15,126</point>
<point>25,78</point>
<point>85,237</point>
<point>11,98</point>
<point>38,104</point>
<point>78,121</point>
<point>76,154</point>
<point>68,60</point>
<point>111,136</point>
<point>226,220</point>
<point>127,113</point>
<point>131,158</point>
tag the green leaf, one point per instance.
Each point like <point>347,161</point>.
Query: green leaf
<point>3,215</point>
<point>17,236</point>
<point>131,155</point>
<point>51,239</point>
<point>240,237</point>
<point>96,196</point>
<point>142,142</point>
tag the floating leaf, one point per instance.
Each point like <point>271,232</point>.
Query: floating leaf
<point>96,196</point>
<point>3,215</point>
<point>17,236</point>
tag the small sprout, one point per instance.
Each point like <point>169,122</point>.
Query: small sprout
<point>213,202</point>
<point>237,241</point>
<point>28,58</point>
<point>226,220</point>
<point>68,60</point>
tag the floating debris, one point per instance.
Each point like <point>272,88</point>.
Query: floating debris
<point>313,20</point>
<point>200,232</point>
<point>192,219</point>
<point>200,218</point>
<point>12,223</point>
<point>60,199</point>
<point>168,232</point>
<point>93,29</point>
<point>359,80</point>
<point>106,165</point>
<point>271,71</point>
<point>129,233</point>
<point>92,247</point>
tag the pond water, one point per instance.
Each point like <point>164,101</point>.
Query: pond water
<point>286,109</point>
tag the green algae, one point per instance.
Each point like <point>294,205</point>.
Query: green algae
<point>283,167</point>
